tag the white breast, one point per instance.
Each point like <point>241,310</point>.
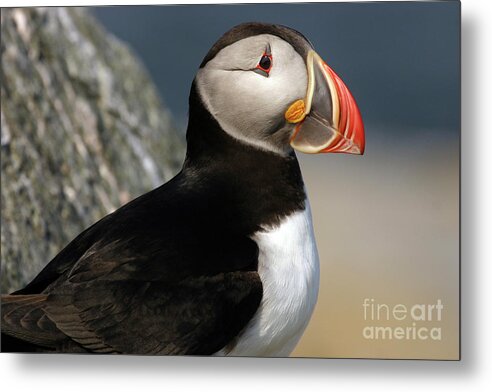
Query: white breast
<point>288,266</point>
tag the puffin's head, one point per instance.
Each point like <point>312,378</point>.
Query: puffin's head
<point>266,86</point>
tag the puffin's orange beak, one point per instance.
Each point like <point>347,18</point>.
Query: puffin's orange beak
<point>328,119</point>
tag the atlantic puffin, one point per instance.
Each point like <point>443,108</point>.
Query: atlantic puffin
<point>222,259</point>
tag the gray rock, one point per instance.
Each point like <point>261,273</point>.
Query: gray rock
<point>83,132</point>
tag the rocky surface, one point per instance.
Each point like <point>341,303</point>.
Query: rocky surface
<point>83,131</point>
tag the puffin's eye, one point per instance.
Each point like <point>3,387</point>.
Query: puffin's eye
<point>264,65</point>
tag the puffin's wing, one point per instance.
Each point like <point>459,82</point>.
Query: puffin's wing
<point>117,299</point>
<point>27,328</point>
<point>197,315</point>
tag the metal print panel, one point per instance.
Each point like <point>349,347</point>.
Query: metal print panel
<point>262,180</point>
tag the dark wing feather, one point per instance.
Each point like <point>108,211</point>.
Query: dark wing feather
<point>197,315</point>
<point>26,327</point>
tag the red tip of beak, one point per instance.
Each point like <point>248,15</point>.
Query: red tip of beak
<point>350,123</point>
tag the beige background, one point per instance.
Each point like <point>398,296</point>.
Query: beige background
<point>387,227</point>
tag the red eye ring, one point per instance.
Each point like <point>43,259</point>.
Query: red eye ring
<point>265,63</point>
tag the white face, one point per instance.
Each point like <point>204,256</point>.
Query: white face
<point>250,105</point>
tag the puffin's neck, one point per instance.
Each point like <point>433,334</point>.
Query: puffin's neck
<point>260,186</point>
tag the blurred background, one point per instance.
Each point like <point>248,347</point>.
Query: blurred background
<point>387,223</point>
